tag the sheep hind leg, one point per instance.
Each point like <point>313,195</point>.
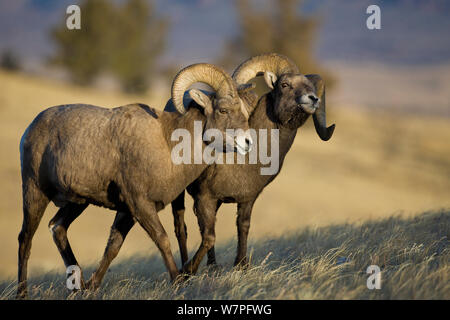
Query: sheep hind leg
<point>180,227</point>
<point>206,215</point>
<point>123,222</point>
<point>34,204</point>
<point>243,226</point>
<point>212,252</point>
<point>59,225</point>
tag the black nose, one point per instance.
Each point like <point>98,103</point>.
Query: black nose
<point>248,144</point>
<point>313,98</point>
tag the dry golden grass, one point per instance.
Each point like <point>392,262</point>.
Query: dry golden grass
<point>312,263</point>
<point>376,164</point>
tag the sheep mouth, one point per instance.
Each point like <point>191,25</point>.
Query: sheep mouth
<point>241,149</point>
<point>239,144</point>
<point>308,107</point>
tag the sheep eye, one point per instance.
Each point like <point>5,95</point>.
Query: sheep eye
<point>223,111</point>
<point>284,85</point>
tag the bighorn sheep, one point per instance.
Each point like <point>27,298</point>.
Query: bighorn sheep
<point>76,155</point>
<point>294,97</point>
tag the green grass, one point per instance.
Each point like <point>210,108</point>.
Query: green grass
<point>312,263</point>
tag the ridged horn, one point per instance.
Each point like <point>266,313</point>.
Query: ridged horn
<point>206,73</point>
<point>273,62</point>
<point>319,117</point>
<point>320,121</point>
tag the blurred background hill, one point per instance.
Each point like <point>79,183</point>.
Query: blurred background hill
<point>413,31</point>
<point>322,36</point>
<point>390,100</point>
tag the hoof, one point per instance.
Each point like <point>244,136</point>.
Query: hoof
<point>181,278</point>
<point>187,269</point>
<point>211,262</point>
<point>91,285</point>
<point>242,264</point>
<point>22,291</point>
<point>22,295</point>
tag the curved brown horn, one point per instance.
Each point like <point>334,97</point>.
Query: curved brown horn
<point>319,117</point>
<point>206,73</point>
<point>320,121</point>
<point>273,62</point>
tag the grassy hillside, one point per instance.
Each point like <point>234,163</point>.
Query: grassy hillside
<point>376,164</point>
<point>311,263</point>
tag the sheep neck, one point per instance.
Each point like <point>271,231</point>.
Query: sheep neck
<point>263,118</point>
<point>172,121</point>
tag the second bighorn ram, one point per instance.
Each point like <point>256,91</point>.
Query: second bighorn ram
<point>293,98</point>
<point>76,155</point>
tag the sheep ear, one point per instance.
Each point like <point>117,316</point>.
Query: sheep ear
<point>270,78</point>
<point>202,100</point>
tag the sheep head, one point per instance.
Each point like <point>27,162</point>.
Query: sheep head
<point>224,109</point>
<point>296,96</point>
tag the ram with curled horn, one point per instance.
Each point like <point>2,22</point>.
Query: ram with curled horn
<point>293,98</point>
<point>76,155</point>
<point>272,66</point>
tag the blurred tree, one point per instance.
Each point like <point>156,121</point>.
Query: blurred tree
<point>86,52</point>
<point>139,42</point>
<point>281,29</point>
<point>9,61</point>
<point>123,40</point>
